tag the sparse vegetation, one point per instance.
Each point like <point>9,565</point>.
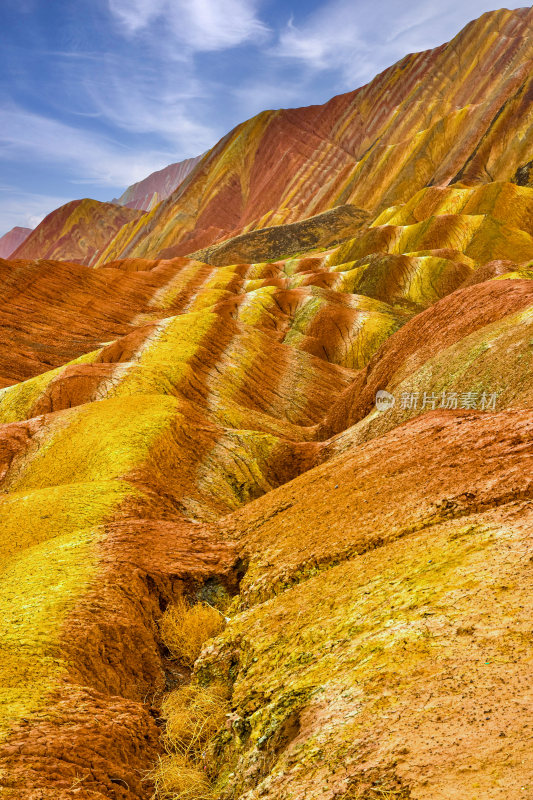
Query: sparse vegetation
<point>175,778</point>
<point>394,792</point>
<point>184,629</point>
<point>193,715</point>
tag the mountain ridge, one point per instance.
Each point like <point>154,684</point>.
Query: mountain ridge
<point>76,231</point>
<point>346,161</point>
<point>146,193</point>
<point>13,239</point>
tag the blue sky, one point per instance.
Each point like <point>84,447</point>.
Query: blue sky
<point>96,94</point>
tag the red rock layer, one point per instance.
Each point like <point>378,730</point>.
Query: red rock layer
<point>89,306</point>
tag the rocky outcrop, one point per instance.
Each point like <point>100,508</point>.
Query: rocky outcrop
<point>267,244</point>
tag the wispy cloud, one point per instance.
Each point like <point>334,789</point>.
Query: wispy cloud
<point>357,40</point>
<point>26,209</point>
<point>327,39</point>
<point>144,99</point>
<point>103,92</point>
<point>25,135</point>
<point>201,26</point>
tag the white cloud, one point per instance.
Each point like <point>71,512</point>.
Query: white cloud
<point>26,209</point>
<point>34,219</point>
<point>199,25</point>
<point>89,157</point>
<point>329,39</point>
<point>326,40</point>
<point>140,98</point>
<point>135,15</point>
<point>359,39</point>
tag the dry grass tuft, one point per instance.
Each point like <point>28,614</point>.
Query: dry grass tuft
<point>184,629</point>
<point>175,778</point>
<point>193,715</point>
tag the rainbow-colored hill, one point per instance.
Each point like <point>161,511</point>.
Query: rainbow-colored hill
<point>188,412</point>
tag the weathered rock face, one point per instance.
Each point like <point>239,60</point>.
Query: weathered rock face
<point>170,426</point>
<point>383,614</point>
<point>76,232</point>
<point>12,239</point>
<point>280,241</point>
<point>145,194</point>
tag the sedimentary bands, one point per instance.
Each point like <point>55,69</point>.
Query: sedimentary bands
<point>188,419</point>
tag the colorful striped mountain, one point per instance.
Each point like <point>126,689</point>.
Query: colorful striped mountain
<point>298,391</point>
<point>77,231</point>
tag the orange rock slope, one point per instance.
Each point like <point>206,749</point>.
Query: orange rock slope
<point>206,428</point>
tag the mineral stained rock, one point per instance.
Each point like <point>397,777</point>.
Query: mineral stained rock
<point>189,408</point>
